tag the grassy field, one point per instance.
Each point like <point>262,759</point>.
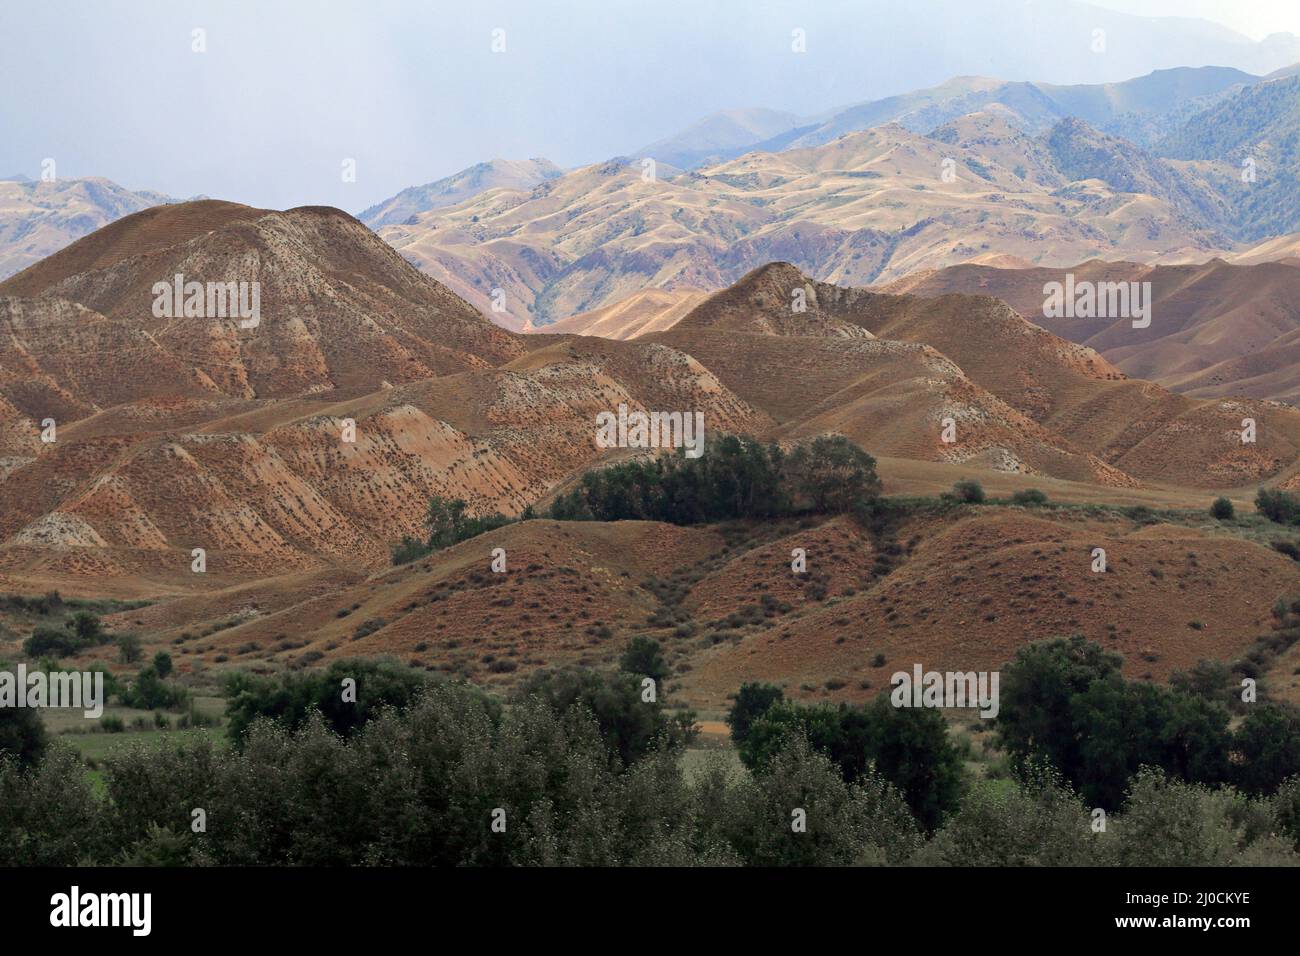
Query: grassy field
<point>139,726</point>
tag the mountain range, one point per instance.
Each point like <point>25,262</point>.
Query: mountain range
<point>39,217</point>
<point>250,421</point>
<point>295,453</point>
<point>976,170</point>
<point>1141,110</point>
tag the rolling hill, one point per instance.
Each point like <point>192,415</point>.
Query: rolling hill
<point>38,218</point>
<point>1218,328</point>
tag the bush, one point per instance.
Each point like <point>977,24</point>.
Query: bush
<point>49,813</point>
<point>409,549</point>
<point>129,648</point>
<point>112,724</point>
<point>1167,822</point>
<point>51,642</point>
<point>1038,821</point>
<point>150,692</point>
<point>1268,747</point>
<point>644,658</point>
<point>80,632</point>
<point>1278,505</point>
<point>448,523</point>
<point>969,491</point>
<point>1222,509</point>
<point>630,726</point>
<point>1065,704</point>
<point>1029,498</point>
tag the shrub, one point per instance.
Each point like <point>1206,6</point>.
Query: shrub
<point>908,747</point>
<point>969,491</point>
<point>644,658</point>
<point>1029,498</point>
<point>753,700</point>
<point>129,648</point>
<point>409,549</point>
<point>1222,509</point>
<point>150,692</point>
<point>630,727</point>
<point>1278,505</point>
<point>51,642</point>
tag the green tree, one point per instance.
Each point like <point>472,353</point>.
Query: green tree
<point>87,628</point>
<point>162,663</point>
<point>644,658</point>
<point>832,474</point>
<point>753,700</point>
<point>1268,747</point>
<point>1029,498</point>
<point>22,735</point>
<point>129,648</point>
<point>630,726</point>
<point>445,518</point>
<point>1036,712</point>
<point>51,642</point>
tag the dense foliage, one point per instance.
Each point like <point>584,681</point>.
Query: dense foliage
<point>737,477</point>
<point>1065,703</point>
<point>908,747</point>
<point>452,779</point>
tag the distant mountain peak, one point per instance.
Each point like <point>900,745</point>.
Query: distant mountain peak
<point>458,187</point>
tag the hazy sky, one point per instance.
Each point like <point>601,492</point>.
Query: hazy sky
<point>412,91</point>
<point>1254,18</point>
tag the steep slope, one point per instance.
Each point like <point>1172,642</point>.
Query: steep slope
<point>1023,399</point>
<point>1256,134</point>
<point>338,308</point>
<point>316,437</point>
